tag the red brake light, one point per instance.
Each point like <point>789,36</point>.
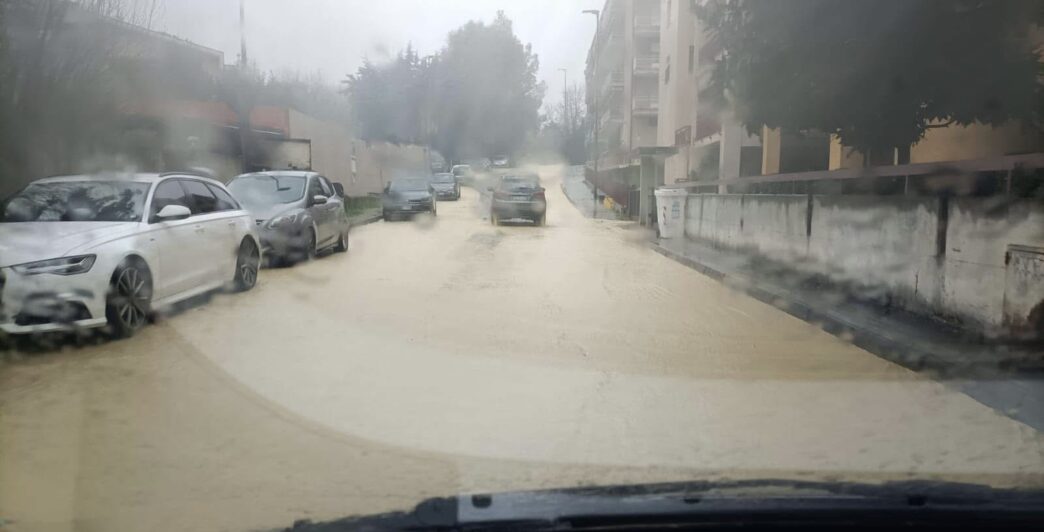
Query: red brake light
<point>538,195</point>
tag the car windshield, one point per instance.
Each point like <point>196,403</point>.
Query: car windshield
<point>78,201</point>
<point>408,185</point>
<point>265,190</point>
<point>413,249</point>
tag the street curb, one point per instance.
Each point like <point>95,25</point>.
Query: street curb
<point>366,221</point>
<point>1011,400</point>
<point>561,185</point>
<point>874,341</point>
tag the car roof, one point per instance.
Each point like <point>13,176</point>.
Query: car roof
<point>125,176</point>
<point>115,176</point>
<point>281,173</point>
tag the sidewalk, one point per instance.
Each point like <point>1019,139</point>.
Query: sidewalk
<point>365,217</point>
<point>1007,378</point>
<point>579,193</point>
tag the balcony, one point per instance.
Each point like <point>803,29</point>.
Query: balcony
<point>645,106</point>
<point>647,65</point>
<point>614,82</point>
<point>609,116</point>
<point>646,25</point>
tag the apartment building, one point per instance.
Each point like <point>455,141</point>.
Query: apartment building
<point>711,145</point>
<point>623,66</point>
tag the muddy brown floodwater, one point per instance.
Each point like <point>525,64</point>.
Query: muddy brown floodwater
<point>461,357</point>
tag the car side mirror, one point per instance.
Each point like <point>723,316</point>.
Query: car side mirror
<point>319,200</point>
<point>339,189</point>
<point>173,212</point>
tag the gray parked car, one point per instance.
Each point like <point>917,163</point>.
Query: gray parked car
<point>298,214</point>
<point>446,186</point>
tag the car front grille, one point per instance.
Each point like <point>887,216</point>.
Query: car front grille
<point>64,312</point>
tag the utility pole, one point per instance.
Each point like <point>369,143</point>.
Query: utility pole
<point>594,107</point>
<point>565,96</point>
<point>242,35</point>
<point>243,108</point>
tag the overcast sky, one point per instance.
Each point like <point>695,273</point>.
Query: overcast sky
<point>331,37</point>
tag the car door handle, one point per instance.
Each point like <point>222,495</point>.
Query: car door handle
<point>201,229</point>
<point>231,224</point>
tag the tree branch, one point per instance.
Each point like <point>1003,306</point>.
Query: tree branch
<point>947,123</point>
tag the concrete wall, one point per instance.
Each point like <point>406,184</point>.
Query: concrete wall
<point>331,146</point>
<point>978,237</point>
<point>883,246</point>
<point>949,258</point>
<point>379,162</point>
<point>362,167</point>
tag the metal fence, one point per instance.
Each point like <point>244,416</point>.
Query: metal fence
<point>1016,175</point>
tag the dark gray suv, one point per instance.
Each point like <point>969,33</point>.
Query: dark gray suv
<point>298,214</point>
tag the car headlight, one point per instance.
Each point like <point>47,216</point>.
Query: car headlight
<point>62,266</point>
<point>281,221</point>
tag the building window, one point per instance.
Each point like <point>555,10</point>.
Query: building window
<point>692,57</point>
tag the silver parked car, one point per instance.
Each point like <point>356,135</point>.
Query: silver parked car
<point>298,214</point>
<point>446,186</point>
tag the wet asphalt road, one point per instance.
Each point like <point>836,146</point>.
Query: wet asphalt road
<point>454,356</point>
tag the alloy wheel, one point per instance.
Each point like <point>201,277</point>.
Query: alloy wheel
<point>131,301</point>
<point>247,266</point>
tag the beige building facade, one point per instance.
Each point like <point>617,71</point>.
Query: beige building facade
<point>623,65</point>
<point>711,145</point>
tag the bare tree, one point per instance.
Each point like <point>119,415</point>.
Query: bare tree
<point>567,121</point>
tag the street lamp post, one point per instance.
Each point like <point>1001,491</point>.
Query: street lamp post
<point>594,108</point>
<point>565,96</point>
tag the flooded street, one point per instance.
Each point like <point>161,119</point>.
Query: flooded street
<point>434,359</point>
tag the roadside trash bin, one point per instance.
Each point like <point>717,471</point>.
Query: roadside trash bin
<point>670,211</point>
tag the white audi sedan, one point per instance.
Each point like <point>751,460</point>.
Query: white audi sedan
<point>91,251</point>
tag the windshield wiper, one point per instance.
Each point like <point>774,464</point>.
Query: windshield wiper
<point>761,503</point>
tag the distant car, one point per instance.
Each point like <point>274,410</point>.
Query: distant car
<point>501,162</point>
<point>445,186</point>
<point>518,196</point>
<point>109,250</point>
<point>408,197</point>
<point>297,213</point>
<point>463,172</point>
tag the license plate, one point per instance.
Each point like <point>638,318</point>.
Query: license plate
<point>520,198</point>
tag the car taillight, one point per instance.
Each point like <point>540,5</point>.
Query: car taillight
<point>500,195</point>
<point>539,195</point>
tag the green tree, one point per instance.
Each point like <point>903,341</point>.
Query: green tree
<point>877,73</point>
<point>478,97</point>
<point>486,91</point>
<point>390,102</point>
